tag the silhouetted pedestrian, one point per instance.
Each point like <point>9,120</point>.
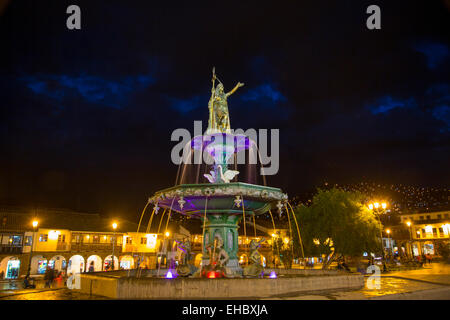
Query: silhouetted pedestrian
<point>49,276</point>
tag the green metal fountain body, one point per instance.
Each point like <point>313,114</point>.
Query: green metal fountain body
<point>220,204</point>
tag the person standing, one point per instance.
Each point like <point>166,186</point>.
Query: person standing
<point>47,278</point>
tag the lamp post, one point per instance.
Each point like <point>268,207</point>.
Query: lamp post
<point>377,209</point>
<point>166,248</point>
<point>34,224</point>
<point>114,225</point>
<point>388,231</point>
<point>408,223</point>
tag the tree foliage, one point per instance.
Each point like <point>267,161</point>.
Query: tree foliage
<point>285,253</point>
<point>337,220</point>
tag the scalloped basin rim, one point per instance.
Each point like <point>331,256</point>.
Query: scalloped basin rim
<point>217,185</point>
<point>220,198</point>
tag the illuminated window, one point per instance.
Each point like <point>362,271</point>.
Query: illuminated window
<point>28,240</point>
<point>15,240</point>
<point>129,240</point>
<point>61,238</point>
<point>441,232</point>
<point>439,216</point>
<point>143,240</point>
<point>96,239</point>
<point>43,237</point>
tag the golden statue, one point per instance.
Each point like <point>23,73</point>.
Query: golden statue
<point>219,119</point>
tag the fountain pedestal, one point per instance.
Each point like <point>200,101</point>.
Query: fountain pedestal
<point>225,227</point>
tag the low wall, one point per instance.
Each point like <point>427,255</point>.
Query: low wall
<point>201,288</point>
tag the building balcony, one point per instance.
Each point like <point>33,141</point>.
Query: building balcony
<point>98,247</point>
<point>62,246</point>
<point>10,249</point>
<point>130,248</point>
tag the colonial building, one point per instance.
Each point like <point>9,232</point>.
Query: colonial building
<point>73,242</point>
<point>423,233</point>
<point>70,242</point>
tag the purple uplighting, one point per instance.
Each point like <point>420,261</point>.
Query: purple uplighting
<point>273,275</point>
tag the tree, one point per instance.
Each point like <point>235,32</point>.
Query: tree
<point>337,224</point>
<point>285,253</point>
<point>443,248</point>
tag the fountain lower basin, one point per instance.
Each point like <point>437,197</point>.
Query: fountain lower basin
<point>128,287</point>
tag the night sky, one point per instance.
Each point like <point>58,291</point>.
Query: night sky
<point>86,115</point>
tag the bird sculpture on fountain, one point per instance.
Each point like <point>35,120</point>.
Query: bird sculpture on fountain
<point>228,175</point>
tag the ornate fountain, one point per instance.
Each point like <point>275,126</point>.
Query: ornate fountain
<point>221,202</point>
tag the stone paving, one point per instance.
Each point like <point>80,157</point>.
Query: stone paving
<point>431,282</point>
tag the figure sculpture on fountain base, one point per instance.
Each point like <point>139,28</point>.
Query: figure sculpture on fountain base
<point>216,268</point>
<point>186,268</point>
<point>255,268</point>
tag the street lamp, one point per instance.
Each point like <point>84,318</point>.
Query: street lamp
<point>166,249</point>
<point>34,224</point>
<point>408,223</point>
<point>375,208</point>
<point>388,231</point>
<point>114,225</point>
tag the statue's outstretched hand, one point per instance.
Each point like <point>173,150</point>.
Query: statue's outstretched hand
<point>240,84</point>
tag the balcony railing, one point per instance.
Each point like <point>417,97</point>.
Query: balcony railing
<point>96,247</point>
<point>130,248</point>
<point>10,249</point>
<point>62,246</point>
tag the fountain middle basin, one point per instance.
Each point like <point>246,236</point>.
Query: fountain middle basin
<point>221,206</point>
<point>214,198</point>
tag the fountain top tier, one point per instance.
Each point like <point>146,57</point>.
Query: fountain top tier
<point>221,146</point>
<point>220,196</point>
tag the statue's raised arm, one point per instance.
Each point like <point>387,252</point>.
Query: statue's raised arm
<point>239,84</point>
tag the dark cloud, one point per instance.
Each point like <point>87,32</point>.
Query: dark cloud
<point>86,116</point>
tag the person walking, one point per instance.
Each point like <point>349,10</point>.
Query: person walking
<point>49,276</point>
<point>424,259</point>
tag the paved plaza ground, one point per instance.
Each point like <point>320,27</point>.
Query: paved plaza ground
<point>429,283</point>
